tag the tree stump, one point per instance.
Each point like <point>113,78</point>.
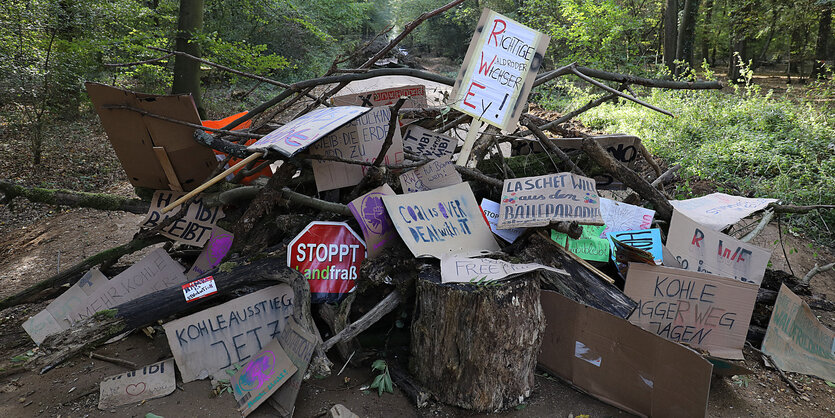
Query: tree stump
<point>476,347</point>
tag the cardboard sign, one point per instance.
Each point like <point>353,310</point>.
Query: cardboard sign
<point>462,269</point>
<point>619,216</point>
<point>261,377</point>
<point>498,71</point>
<point>211,341</point>
<point>701,310</point>
<point>386,97</point>
<point>361,140</point>
<point>376,225</point>
<point>425,143</point>
<point>298,344</point>
<point>432,175</point>
<point>491,212</point>
<point>329,255</point>
<point>154,153</point>
<point>797,341</point>
<point>195,228</point>
<point>717,211</point>
<point>705,250</point>
<point>53,320</point>
<point>621,364</point>
<point>199,288</point>
<point>303,131</point>
<point>212,254</point>
<point>150,382</point>
<point>537,201</point>
<point>589,246</point>
<point>440,222</point>
<point>93,293</point>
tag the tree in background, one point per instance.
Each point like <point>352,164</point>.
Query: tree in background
<point>187,71</point>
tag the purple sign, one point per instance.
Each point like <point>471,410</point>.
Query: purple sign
<point>371,214</point>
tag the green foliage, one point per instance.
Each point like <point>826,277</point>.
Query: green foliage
<point>382,382</point>
<point>746,142</point>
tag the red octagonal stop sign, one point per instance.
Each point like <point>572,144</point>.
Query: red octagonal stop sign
<point>329,255</point>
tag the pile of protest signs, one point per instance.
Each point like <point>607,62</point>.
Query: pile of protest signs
<point>362,193</point>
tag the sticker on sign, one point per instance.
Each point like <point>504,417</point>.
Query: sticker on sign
<point>199,288</point>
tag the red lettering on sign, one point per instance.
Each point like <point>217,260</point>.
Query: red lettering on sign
<point>495,32</point>
<point>470,93</point>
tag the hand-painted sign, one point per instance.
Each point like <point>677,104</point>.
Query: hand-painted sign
<point>704,250</point>
<point>426,143</point>
<point>298,344</point>
<point>462,269</point>
<point>53,319</point>
<point>361,140</point>
<point>150,382</point>
<point>719,210</point>
<point>589,246</point>
<point>701,310</point>
<point>261,377</point>
<point>642,246</point>
<point>303,131</point>
<point>491,212</point>
<point>329,255</point>
<point>212,254</point>
<point>195,228</point>
<point>211,341</point>
<point>93,293</point>
<point>620,216</point>
<point>797,341</point>
<point>537,201</point>
<point>376,225</point>
<point>432,175</point>
<point>498,71</point>
<point>440,222</point>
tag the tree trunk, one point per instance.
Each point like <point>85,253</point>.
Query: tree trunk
<point>476,347</point>
<point>705,29</point>
<point>687,34</point>
<point>187,71</point>
<point>670,34</point>
<point>822,45</point>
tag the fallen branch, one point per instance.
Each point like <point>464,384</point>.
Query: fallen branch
<point>546,142</point>
<point>370,318</point>
<point>631,179</point>
<point>666,176</point>
<point>143,112</point>
<point>770,361</point>
<point>74,199</point>
<point>392,127</point>
<point>649,82</point>
<point>135,63</point>
<point>125,363</point>
<point>767,216</point>
<point>798,209</point>
<point>815,270</point>
<point>618,93</point>
<point>74,273</point>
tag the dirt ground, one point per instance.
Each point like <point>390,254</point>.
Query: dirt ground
<point>38,240</point>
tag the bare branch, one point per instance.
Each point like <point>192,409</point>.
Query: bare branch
<point>135,63</point>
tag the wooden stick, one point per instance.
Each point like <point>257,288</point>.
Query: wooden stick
<point>472,134</point>
<point>129,364</point>
<point>214,180</point>
<point>378,311</point>
<point>613,91</point>
<point>546,142</point>
<point>817,269</point>
<point>763,222</point>
<point>576,258</point>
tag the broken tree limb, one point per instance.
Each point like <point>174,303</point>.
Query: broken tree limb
<point>124,363</point>
<point>648,158</point>
<point>649,82</point>
<point>546,142</point>
<point>370,318</point>
<point>165,303</point>
<point>798,209</point>
<point>768,361</point>
<point>631,179</point>
<point>219,144</point>
<point>618,93</point>
<point>72,274</point>
<point>767,216</point>
<point>665,176</point>
<point>74,199</point>
<point>135,63</point>
<point>314,203</point>
<point>815,270</point>
<point>392,127</point>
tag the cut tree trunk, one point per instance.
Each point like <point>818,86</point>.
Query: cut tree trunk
<point>476,347</point>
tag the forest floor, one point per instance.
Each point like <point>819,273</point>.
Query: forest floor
<point>38,240</point>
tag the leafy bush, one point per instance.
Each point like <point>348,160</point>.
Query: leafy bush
<point>745,142</point>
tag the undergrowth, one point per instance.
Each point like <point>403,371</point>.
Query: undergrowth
<point>746,142</point>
